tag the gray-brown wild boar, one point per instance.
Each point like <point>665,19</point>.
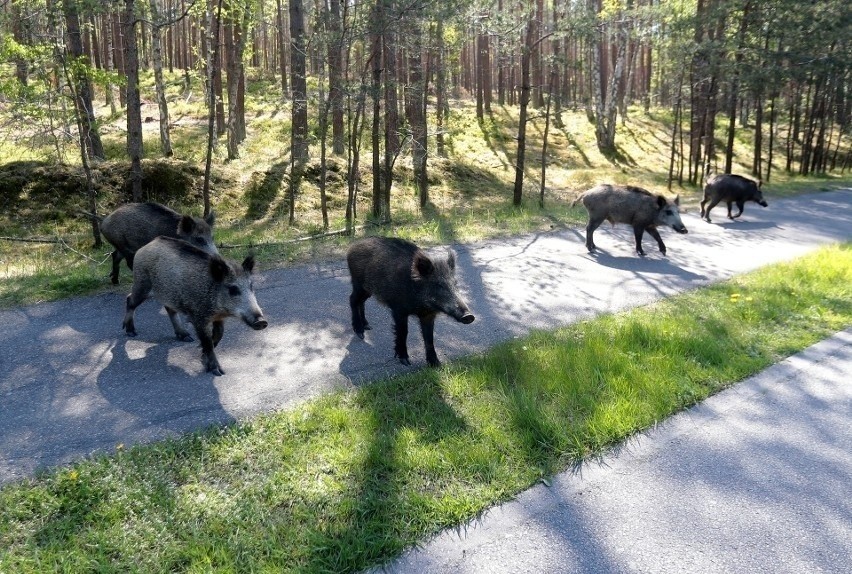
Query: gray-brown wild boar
<point>731,189</point>
<point>408,281</point>
<point>205,287</point>
<point>133,225</point>
<point>637,207</point>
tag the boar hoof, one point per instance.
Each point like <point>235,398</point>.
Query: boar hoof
<point>217,372</point>
<point>405,361</point>
<point>360,334</point>
<point>185,338</point>
<point>434,363</point>
<point>367,327</point>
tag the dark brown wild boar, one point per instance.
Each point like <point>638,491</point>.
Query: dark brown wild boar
<point>205,287</point>
<point>409,282</point>
<point>634,206</point>
<point>730,189</point>
<point>133,225</point>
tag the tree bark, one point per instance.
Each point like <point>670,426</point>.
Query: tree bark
<point>440,89</point>
<point>282,50</point>
<point>335,77</point>
<point>415,113</point>
<point>298,81</point>
<point>212,57</point>
<point>134,101</point>
<point>159,84</point>
<point>518,191</point>
<point>392,142</point>
<point>83,84</point>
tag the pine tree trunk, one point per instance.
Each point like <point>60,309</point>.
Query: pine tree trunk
<point>526,49</point>
<point>392,143</point>
<point>299,145</point>
<point>159,85</point>
<point>282,50</point>
<point>134,102</point>
<point>378,187</point>
<point>415,113</point>
<point>440,89</point>
<point>83,85</point>
<point>335,77</point>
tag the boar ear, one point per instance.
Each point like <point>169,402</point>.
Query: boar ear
<point>248,263</point>
<point>211,218</point>
<point>661,201</point>
<point>451,259</point>
<point>422,266</point>
<point>759,183</point>
<point>218,269</point>
<point>186,225</point>
<point>677,200</point>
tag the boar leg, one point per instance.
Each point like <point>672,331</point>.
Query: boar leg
<point>427,328</point>
<point>218,331</point>
<point>740,206</point>
<point>116,259</point>
<point>400,327</point>
<point>590,232</point>
<point>180,331</point>
<point>638,232</point>
<point>703,202</point>
<point>359,319</point>
<point>706,214</point>
<point>208,355</point>
<point>140,291</point>
<point>652,231</point>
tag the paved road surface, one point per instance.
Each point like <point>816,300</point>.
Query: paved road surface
<point>71,383</point>
<point>754,479</point>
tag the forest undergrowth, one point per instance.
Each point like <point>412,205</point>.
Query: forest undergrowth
<point>46,250</point>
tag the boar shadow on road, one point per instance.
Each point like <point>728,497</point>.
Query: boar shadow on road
<point>157,393</point>
<point>662,265</point>
<point>741,225</point>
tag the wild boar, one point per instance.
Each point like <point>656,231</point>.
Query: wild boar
<point>135,224</point>
<point>205,287</point>
<point>730,189</point>
<point>409,282</point>
<point>634,206</point>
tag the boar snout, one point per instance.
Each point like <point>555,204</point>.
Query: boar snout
<point>681,229</point>
<point>256,322</point>
<point>763,203</point>
<point>467,318</point>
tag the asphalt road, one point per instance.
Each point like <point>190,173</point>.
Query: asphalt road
<point>71,382</point>
<point>755,479</point>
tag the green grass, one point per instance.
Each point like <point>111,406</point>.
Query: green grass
<point>350,479</point>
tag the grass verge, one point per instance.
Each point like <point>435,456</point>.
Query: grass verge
<point>350,479</point>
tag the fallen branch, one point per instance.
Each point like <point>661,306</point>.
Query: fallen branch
<point>343,231</point>
<point>34,240</point>
<point>83,255</point>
